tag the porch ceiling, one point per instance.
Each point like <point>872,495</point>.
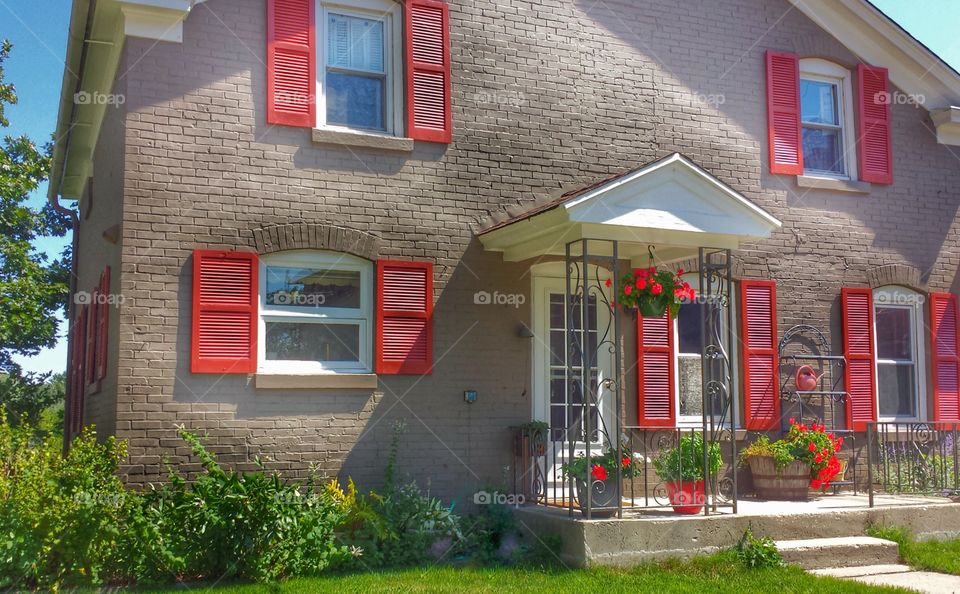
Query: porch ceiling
<point>671,202</point>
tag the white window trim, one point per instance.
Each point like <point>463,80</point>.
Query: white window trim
<point>390,13</point>
<point>903,298</point>
<point>687,421</point>
<point>821,70</point>
<point>363,317</point>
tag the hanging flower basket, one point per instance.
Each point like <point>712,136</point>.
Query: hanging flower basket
<point>653,292</point>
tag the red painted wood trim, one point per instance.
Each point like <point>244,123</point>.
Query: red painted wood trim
<point>384,316</point>
<point>103,324</point>
<point>784,133</point>
<point>293,55</point>
<point>945,356</point>
<point>645,419</point>
<point>415,67</point>
<point>768,351</point>
<point>855,356</point>
<point>225,364</point>
<point>874,130</point>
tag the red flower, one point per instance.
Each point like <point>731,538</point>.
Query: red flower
<point>599,472</point>
<point>818,458</point>
<point>812,447</point>
<point>640,272</point>
<point>627,289</point>
<point>608,282</point>
<point>625,461</point>
<point>793,421</point>
<point>652,270</point>
<point>815,483</point>
<point>831,437</point>
<point>656,289</point>
<point>641,284</point>
<point>680,271</point>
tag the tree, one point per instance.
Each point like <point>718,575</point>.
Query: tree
<point>33,288</point>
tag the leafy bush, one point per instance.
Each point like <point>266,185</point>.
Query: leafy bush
<point>61,517</point>
<point>756,552</point>
<point>810,444</point>
<point>684,462</point>
<point>230,524</point>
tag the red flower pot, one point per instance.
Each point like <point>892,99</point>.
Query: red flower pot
<point>687,497</point>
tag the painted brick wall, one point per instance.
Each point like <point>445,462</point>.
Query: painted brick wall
<point>547,95</point>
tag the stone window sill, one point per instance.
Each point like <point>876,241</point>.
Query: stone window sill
<point>836,185</point>
<point>342,381</point>
<point>362,140</point>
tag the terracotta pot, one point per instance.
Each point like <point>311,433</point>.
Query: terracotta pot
<point>687,497</point>
<point>791,483</point>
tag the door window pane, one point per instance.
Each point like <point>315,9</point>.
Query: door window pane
<point>312,288</point>
<point>312,342</point>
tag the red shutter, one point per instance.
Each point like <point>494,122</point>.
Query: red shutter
<point>655,387</point>
<point>404,342</point>
<point>761,365</point>
<point>78,385</point>
<point>427,34</point>
<point>90,363</point>
<point>784,136</point>
<point>860,371</point>
<point>291,63</point>
<point>873,125</point>
<point>944,357</point>
<point>103,320</point>
<point>225,300</point>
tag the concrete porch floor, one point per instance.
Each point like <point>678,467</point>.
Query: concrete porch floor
<point>652,533</point>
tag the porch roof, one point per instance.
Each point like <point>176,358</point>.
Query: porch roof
<point>670,202</point>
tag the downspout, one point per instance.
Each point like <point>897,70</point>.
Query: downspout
<point>54,200</point>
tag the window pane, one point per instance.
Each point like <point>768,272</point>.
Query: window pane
<point>355,43</point>
<point>822,150</point>
<point>894,334</point>
<point>818,102</point>
<point>312,287</point>
<point>691,394</point>
<point>355,101</point>
<point>895,386</point>
<point>689,329</point>
<point>313,342</point>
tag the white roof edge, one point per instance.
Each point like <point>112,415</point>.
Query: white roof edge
<point>667,162</point>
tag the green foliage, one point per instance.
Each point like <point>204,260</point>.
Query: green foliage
<point>756,552</point>
<point>230,524</point>
<point>492,535</point>
<point>60,517</point>
<point>608,461</point>
<point>32,288</point>
<point>781,451</point>
<point>26,396</point>
<point>684,462</point>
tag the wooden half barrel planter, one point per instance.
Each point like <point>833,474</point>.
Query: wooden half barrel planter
<point>790,483</point>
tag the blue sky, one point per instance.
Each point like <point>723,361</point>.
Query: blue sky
<point>38,30</point>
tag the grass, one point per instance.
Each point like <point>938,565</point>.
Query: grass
<point>929,555</point>
<point>720,573</point>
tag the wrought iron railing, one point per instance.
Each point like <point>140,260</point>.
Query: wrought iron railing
<point>913,458</point>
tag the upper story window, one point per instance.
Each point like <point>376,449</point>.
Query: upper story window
<point>826,116</point>
<point>898,320</point>
<point>315,313</point>
<point>360,57</point>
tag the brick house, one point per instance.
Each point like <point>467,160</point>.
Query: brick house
<point>301,221</point>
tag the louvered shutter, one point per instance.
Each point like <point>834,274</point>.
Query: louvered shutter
<point>291,63</point>
<point>404,343</point>
<point>784,136</point>
<point>858,349</point>
<point>427,34</point>
<point>224,331</point>
<point>758,344</point>
<point>79,385</point>
<point>103,321</point>
<point>945,357</point>
<point>90,364</point>
<point>655,360</point>
<point>874,148</point>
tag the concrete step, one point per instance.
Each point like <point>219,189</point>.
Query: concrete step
<point>849,551</point>
<point>862,571</point>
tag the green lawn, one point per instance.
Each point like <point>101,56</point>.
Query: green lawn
<point>930,555</point>
<point>718,573</point>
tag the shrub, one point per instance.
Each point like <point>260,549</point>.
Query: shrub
<point>230,524</point>
<point>61,517</point>
<point>756,552</point>
<point>684,462</point>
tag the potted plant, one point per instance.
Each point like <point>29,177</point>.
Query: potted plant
<point>602,471</point>
<point>535,437</point>
<point>653,292</point>
<point>787,468</point>
<point>681,467</point>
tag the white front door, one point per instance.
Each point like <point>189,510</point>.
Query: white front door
<point>560,403</point>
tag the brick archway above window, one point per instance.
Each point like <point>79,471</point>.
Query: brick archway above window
<point>896,274</point>
<point>317,236</point>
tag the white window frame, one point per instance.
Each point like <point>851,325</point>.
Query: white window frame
<point>902,298</point>
<point>819,70</point>
<point>389,12</point>
<point>697,420</point>
<point>362,317</point>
